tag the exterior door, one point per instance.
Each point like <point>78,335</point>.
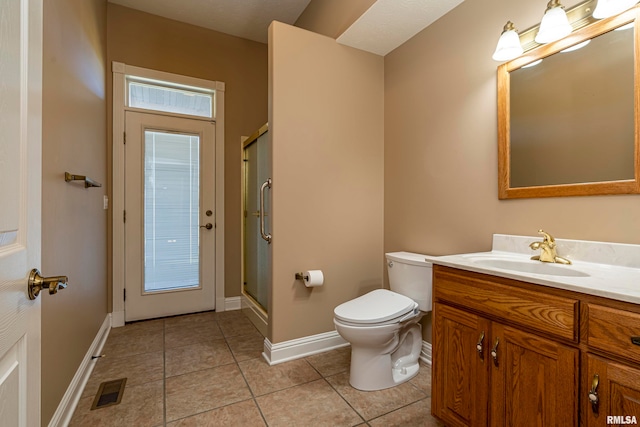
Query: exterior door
<point>170,216</point>
<point>20,187</point>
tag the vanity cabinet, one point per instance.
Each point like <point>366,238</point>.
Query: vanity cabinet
<point>616,385</point>
<point>512,353</point>
<point>617,392</point>
<point>488,368</point>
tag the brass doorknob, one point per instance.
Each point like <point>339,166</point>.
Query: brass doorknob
<point>38,283</point>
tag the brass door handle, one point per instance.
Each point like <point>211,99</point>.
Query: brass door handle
<point>208,226</point>
<point>593,394</point>
<point>494,352</point>
<point>38,283</point>
<point>480,346</point>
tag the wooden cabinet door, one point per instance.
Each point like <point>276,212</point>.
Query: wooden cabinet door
<point>617,392</point>
<point>460,380</point>
<point>534,381</point>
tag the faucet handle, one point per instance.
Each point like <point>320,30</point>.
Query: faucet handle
<point>546,237</point>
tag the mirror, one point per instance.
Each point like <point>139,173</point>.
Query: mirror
<point>566,126</point>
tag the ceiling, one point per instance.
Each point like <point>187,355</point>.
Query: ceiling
<point>248,19</point>
<point>386,25</point>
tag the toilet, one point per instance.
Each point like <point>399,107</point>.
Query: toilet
<point>383,326</point>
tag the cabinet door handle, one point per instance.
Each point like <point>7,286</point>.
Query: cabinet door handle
<point>593,394</point>
<point>635,340</point>
<point>480,346</point>
<point>494,352</point>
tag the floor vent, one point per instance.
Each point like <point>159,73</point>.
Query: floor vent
<point>109,393</point>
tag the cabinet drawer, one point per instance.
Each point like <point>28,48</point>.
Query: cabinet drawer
<point>540,311</point>
<point>610,330</point>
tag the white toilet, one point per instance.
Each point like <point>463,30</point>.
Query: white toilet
<point>383,326</point>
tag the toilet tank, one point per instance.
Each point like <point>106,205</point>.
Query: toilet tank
<point>410,275</point>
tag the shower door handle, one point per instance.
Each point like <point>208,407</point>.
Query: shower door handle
<point>266,184</point>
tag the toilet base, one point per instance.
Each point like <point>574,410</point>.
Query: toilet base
<point>372,371</point>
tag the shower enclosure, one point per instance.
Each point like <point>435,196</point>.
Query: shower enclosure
<point>256,225</point>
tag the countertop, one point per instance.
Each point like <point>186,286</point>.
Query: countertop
<point>614,279</point>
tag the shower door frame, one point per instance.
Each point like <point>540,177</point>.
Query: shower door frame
<point>257,313</point>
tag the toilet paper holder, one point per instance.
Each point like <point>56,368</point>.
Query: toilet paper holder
<point>301,276</point>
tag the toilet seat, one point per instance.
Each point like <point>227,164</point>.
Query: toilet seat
<point>375,308</point>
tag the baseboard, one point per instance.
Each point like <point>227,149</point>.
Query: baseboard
<point>232,303</point>
<point>117,319</point>
<point>425,354</point>
<point>69,401</point>
<point>301,347</point>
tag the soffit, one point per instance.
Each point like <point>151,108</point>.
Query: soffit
<point>389,23</point>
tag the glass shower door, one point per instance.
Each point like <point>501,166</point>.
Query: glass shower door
<point>257,265</point>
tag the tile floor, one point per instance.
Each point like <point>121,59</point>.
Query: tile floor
<point>206,369</point>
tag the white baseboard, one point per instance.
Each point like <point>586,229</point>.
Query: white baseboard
<point>314,344</point>
<point>67,406</point>
<point>301,347</point>
<point>425,354</point>
<point>232,303</point>
<point>117,319</point>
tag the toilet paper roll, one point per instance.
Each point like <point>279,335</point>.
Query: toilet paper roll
<point>313,278</point>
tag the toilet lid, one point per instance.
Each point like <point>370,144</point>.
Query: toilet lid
<point>375,307</point>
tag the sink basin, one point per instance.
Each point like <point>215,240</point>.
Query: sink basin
<point>535,267</point>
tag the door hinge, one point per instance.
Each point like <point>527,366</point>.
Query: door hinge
<point>124,137</point>
<point>124,294</point>
<point>124,216</point>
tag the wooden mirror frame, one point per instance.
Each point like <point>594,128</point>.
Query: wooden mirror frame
<point>630,186</point>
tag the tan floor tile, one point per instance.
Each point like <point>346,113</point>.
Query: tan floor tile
<point>196,357</point>
<point>246,347</point>
<point>423,379</point>
<point>417,414</point>
<point>201,391</point>
<point>141,406</point>
<point>264,379</point>
<point>145,325</point>
<point>245,414</point>
<point>236,326</point>
<point>132,342</point>
<point>137,369</point>
<point>224,316</point>
<point>331,362</point>
<point>372,404</point>
<point>204,319</point>
<point>311,404</point>
<point>191,334</point>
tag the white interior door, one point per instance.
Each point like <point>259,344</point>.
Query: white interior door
<point>170,216</point>
<point>20,186</point>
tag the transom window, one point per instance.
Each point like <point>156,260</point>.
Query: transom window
<point>168,97</point>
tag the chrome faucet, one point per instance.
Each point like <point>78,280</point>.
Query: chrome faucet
<point>547,249</point>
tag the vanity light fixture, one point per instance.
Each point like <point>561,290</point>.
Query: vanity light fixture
<point>607,8</point>
<point>555,24</point>
<point>509,46</point>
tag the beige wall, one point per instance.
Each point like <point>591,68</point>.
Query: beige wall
<point>332,17</point>
<point>441,146</point>
<point>74,224</point>
<point>149,41</point>
<point>326,124</point>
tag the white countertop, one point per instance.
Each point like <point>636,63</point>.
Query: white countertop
<point>616,276</point>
